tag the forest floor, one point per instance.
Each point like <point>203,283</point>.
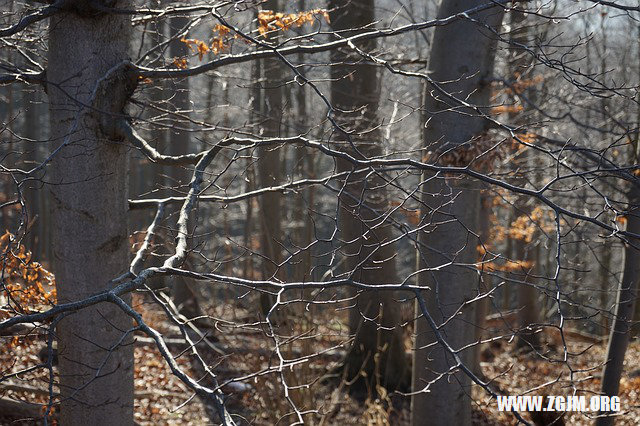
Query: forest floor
<point>161,399</point>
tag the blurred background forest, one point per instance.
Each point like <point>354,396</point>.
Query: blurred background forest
<point>366,211</point>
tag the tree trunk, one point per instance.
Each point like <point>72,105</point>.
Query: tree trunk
<point>89,207</point>
<point>508,253</point>
<point>462,55</point>
<point>179,177</point>
<point>484,281</point>
<point>179,140</point>
<point>254,119</point>
<point>303,169</point>
<point>270,169</point>
<point>528,307</point>
<point>636,316</point>
<point>628,293</point>
<point>528,303</point>
<point>378,350</point>
<point>32,133</point>
<point>8,121</point>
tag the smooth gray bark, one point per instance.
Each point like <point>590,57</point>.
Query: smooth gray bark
<point>462,55</point>
<point>89,207</point>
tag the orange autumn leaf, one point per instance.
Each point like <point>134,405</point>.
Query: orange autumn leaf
<point>412,215</point>
<point>527,137</point>
<point>199,46</point>
<point>525,226</point>
<point>180,63</point>
<point>504,109</point>
<point>268,20</point>
<point>508,266</point>
<point>218,44</point>
<point>521,85</point>
<point>518,142</point>
<point>221,30</point>
<point>27,283</point>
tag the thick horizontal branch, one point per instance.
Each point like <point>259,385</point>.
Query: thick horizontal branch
<point>148,13</point>
<point>20,408</point>
<point>419,165</point>
<point>27,77</point>
<point>596,158</point>
<point>148,203</point>
<point>285,51</point>
<point>127,132</point>
<point>139,282</point>
<point>617,5</point>
<point>33,18</point>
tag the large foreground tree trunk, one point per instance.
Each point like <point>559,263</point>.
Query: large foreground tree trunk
<point>89,207</point>
<point>462,55</point>
<point>370,258</point>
